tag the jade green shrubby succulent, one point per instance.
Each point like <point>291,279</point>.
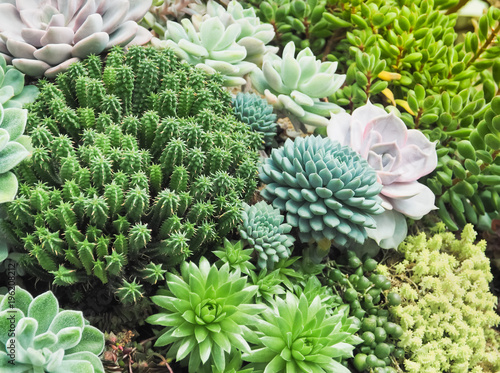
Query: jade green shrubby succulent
<point>325,189</point>
<point>127,174</point>
<point>296,84</point>
<point>207,313</point>
<point>45,37</point>
<point>36,336</point>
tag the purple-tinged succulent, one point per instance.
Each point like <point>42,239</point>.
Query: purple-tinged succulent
<point>399,156</point>
<point>43,37</point>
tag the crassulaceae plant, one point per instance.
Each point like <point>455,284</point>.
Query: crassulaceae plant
<point>399,156</point>
<point>150,170</point>
<point>295,85</point>
<point>44,37</point>
<point>236,256</point>
<point>36,336</point>
<point>254,35</point>
<point>300,335</point>
<point>13,92</point>
<point>206,313</point>
<point>257,113</point>
<point>327,190</point>
<point>14,147</point>
<point>213,48</point>
<point>163,10</point>
<point>263,229</point>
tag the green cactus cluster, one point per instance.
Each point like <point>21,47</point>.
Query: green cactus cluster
<point>132,164</point>
<point>258,114</point>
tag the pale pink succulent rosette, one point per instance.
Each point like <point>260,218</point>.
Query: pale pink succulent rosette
<point>43,37</point>
<point>399,156</point>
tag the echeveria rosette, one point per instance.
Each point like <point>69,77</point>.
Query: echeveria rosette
<point>296,84</point>
<point>43,37</point>
<point>263,229</point>
<point>47,339</point>
<point>213,48</point>
<point>299,335</point>
<point>327,190</point>
<point>254,36</point>
<point>400,157</point>
<point>206,313</point>
<point>257,113</point>
<point>14,148</point>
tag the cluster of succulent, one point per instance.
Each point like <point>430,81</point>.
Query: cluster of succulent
<point>163,10</point>
<point>295,85</point>
<point>224,41</point>
<point>258,114</point>
<point>262,229</point>
<point>136,165</point>
<point>446,304</point>
<point>327,190</point>
<point>369,298</point>
<point>37,336</point>
<point>45,37</point>
<point>415,66</point>
<point>213,324</point>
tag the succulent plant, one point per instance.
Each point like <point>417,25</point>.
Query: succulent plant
<point>295,85</point>
<point>206,313</point>
<point>45,37</point>
<point>235,256</point>
<point>36,336</point>
<point>13,92</point>
<point>299,335</point>
<point>213,48</point>
<point>263,229</point>
<point>163,10</point>
<point>151,170</point>
<point>257,113</point>
<point>399,156</point>
<point>14,147</point>
<point>327,190</point>
<point>254,35</point>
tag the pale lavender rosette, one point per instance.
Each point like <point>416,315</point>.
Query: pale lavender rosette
<point>399,156</point>
<point>43,37</point>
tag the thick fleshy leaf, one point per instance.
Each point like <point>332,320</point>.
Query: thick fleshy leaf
<point>85,357</point>
<point>69,337</point>
<point>44,309</point>
<point>417,206</point>
<point>30,67</point>
<point>6,93</point>
<point>14,122</point>
<point>26,330</point>
<point>74,366</point>
<point>15,79</point>
<point>93,44</point>
<point>45,340</point>
<point>92,341</point>
<point>66,319</point>
<point>92,24</point>
<point>54,54</point>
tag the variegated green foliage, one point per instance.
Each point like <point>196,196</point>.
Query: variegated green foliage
<point>134,162</point>
<point>36,336</point>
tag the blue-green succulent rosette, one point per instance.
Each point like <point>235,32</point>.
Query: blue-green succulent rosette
<point>327,190</point>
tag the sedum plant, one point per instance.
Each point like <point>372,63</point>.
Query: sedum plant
<point>299,335</point>
<point>327,190</point>
<point>36,336</point>
<point>14,147</point>
<point>295,85</point>
<point>258,114</point>
<point>263,229</point>
<point>399,156</point>
<point>207,314</point>
<point>131,164</point>
<point>447,304</point>
<point>45,37</point>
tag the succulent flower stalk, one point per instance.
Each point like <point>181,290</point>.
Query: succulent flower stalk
<point>43,37</point>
